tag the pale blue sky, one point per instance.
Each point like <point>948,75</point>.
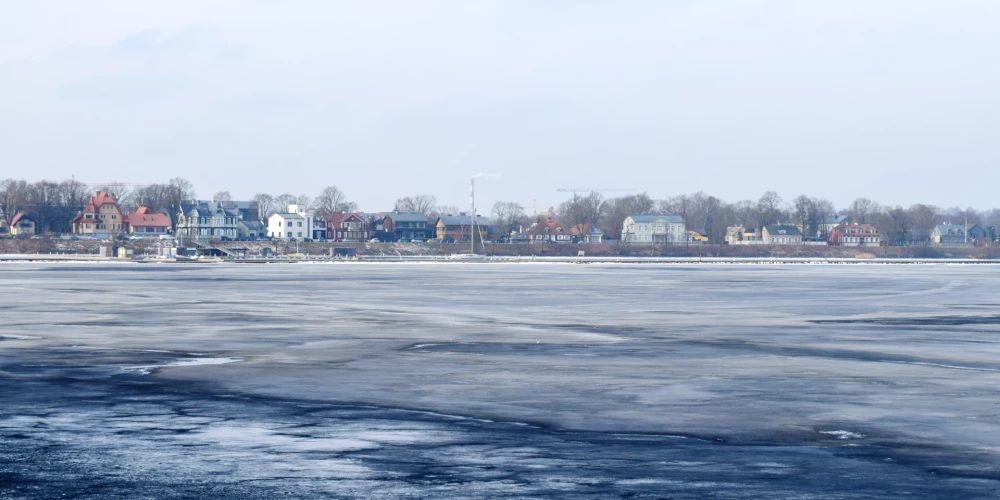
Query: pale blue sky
<point>889,99</point>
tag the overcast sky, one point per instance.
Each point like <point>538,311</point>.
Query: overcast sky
<point>896,100</point>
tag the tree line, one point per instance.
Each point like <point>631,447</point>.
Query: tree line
<point>52,204</point>
<point>711,216</point>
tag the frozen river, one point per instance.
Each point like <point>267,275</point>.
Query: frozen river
<point>499,380</point>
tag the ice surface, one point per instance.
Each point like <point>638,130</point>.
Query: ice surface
<point>541,379</point>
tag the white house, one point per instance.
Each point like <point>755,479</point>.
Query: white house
<point>296,223</point>
<point>657,229</point>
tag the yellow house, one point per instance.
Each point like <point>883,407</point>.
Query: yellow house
<point>100,217</point>
<point>21,225</point>
<point>697,237</point>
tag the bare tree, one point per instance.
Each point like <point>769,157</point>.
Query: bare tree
<point>506,215</point>
<point>222,197</point>
<point>332,200</point>
<point>265,205</point>
<point>421,203</point>
<point>119,191</point>
<point>444,210</point>
<point>282,201</point>
<point>862,210</point>
<point>581,209</point>
<point>895,224</point>
<point>183,188</point>
<point>769,208</point>
<point>746,213</point>
<point>617,209</point>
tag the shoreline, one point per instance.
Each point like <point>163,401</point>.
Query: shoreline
<point>483,259</point>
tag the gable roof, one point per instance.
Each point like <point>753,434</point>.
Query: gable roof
<point>463,220</point>
<point>407,217</point>
<point>647,218</point>
<point>783,229</point>
<point>952,229</point>
<point>100,199</point>
<point>144,217</point>
<point>206,209</point>
<point>18,217</point>
<point>289,216</point>
<point>584,229</point>
<point>547,226</point>
<point>838,219</point>
<point>341,217</point>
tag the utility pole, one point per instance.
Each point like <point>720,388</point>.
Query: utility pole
<point>472,210</point>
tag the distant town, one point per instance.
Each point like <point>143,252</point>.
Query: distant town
<point>117,211</point>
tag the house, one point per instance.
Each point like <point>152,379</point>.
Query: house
<point>287,225</point>
<point>248,210</point>
<point>145,222</point>
<point>207,220</point>
<point>854,235</point>
<point>548,230</point>
<point>21,225</point>
<point>781,234</point>
<point>407,226</point>
<point>586,233</point>
<point>949,235</point>
<point>101,217</point>
<point>739,235</point>
<point>697,237</point>
<point>297,222</point>
<point>251,229</point>
<point>831,222</point>
<point>977,233</point>
<point>348,226</point>
<point>459,228</point>
<point>656,229</point>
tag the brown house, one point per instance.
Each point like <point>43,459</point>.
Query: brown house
<point>346,226</point>
<point>459,228</point>
<point>100,217</point>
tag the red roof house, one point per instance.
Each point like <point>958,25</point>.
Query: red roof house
<point>854,235</point>
<point>146,222</point>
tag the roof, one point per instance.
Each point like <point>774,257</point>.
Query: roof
<point>340,217</point>
<point>647,218</point>
<point>463,220</point>
<point>784,229</point>
<point>837,219</point>
<point>289,216</point>
<point>954,229</point>
<point>143,216</point>
<point>17,217</point>
<point>407,217</point>
<point>847,227</point>
<point>206,208</point>
<point>547,226</point>
<point>100,199</point>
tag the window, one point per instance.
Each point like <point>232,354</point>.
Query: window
<point>300,225</point>
<point>300,234</point>
<point>289,234</point>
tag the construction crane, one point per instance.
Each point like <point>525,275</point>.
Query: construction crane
<point>589,190</point>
